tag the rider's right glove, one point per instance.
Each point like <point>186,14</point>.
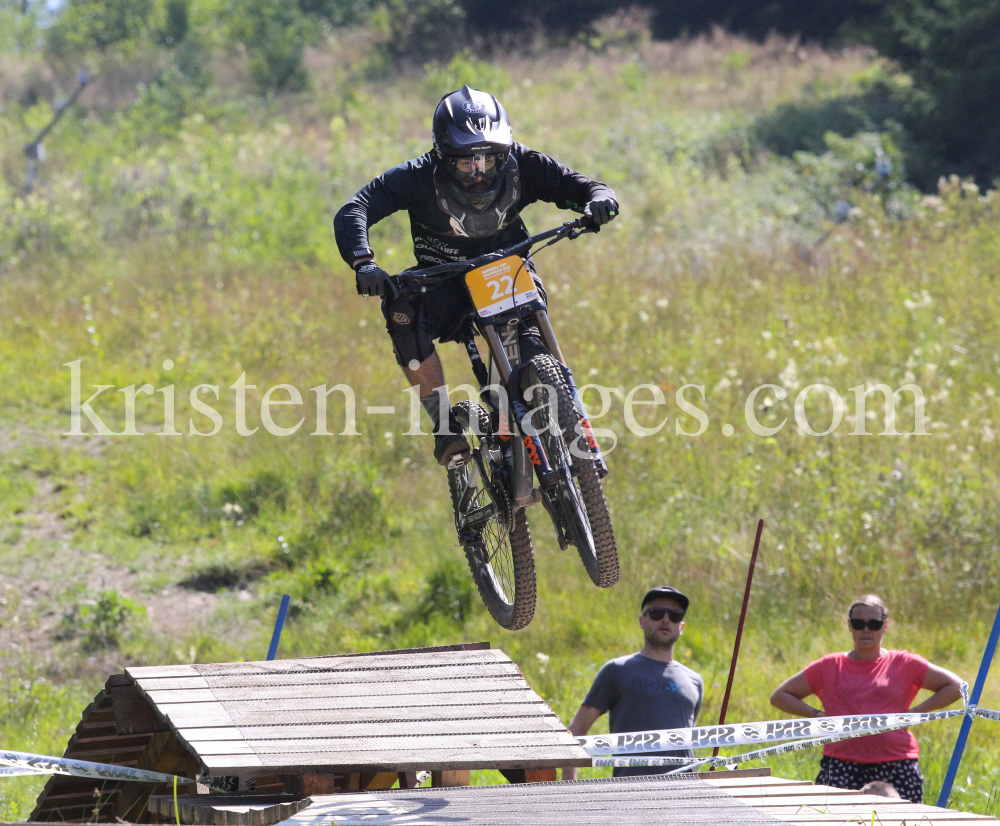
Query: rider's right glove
<point>602,211</point>
<point>373,280</point>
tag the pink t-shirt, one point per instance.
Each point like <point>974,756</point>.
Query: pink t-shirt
<point>879,686</point>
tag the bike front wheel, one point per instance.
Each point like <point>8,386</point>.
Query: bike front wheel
<point>494,534</point>
<point>584,508</point>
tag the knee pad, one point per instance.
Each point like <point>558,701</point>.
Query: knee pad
<point>406,326</point>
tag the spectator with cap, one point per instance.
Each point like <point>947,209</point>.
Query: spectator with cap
<point>648,690</point>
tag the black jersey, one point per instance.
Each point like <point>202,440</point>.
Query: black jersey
<point>437,236</point>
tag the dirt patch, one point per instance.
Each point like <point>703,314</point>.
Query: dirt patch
<point>46,574</point>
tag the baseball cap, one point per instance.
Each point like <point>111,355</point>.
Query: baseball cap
<point>665,591</point>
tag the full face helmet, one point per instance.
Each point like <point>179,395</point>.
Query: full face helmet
<point>472,139</point>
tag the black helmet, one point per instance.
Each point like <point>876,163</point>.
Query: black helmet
<point>473,139</point>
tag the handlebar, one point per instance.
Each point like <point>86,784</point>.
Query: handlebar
<point>571,229</point>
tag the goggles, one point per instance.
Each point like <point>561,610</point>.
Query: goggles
<point>468,168</point>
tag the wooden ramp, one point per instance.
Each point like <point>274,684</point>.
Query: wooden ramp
<point>313,725</point>
<point>730,798</point>
<point>447,710</point>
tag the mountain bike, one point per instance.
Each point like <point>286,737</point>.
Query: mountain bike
<point>514,444</point>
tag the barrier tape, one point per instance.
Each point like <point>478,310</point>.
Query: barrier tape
<point>771,731</point>
<point>690,763</point>
<point>685,764</point>
<point>745,734</point>
<point>13,763</point>
<point>13,771</point>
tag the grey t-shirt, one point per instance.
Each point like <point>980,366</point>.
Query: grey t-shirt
<point>641,694</point>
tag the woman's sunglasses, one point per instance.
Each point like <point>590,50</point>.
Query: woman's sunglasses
<point>656,614</point>
<point>871,625</point>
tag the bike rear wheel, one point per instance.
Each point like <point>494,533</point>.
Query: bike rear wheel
<point>494,534</point>
<point>592,534</point>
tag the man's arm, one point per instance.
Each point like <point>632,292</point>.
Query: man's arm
<point>545,179</point>
<point>584,719</point>
<point>789,696</point>
<point>388,193</point>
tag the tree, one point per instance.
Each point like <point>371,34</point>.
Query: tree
<point>951,50</point>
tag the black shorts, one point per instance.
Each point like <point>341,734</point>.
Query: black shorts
<point>444,313</point>
<point>903,775</point>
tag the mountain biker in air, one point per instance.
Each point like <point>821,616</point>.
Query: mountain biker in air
<point>464,198</point>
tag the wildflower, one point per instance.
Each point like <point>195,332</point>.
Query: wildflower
<point>789,377</point>
<point>542,658</point>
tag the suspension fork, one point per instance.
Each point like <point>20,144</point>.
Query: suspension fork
<point>536,452</point>
<point>550,341</point>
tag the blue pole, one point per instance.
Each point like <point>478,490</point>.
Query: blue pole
<point>963,734</point>
<point>278,623</point>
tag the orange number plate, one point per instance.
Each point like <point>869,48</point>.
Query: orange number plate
<point>499,285</point>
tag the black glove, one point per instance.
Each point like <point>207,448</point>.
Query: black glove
<point>601,212</point>
<point>373,280</point>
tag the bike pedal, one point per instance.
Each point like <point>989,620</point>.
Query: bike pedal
<point>459,460</point>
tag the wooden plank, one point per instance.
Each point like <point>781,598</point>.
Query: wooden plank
<point>216,733</point>
<point>400,760</point>
<point>721,781</point>
<point>881,818</point>
<point>861,800</point>
<point>159,683</point>
<point>138,672</point>
<point>312,677</point>
<point>784,791</point>
<point>905,810</point>
<point>398,678</point>
<point>207,714</point>
<point>234,762</point>
<point>393,652</point>
<point>388,691</point>
<point>470,727</point>
<point>371,662</point>
<point>367,703</point>
<point>508,711</point>
<point>483,742</point>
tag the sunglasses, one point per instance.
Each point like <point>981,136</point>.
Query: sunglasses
<point>871,625</point>
<point>656,614</point>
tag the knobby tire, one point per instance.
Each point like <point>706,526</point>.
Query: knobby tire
<point>601,558</point>
<point>498,550</point>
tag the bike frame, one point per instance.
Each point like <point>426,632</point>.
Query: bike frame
<point>500,333</point>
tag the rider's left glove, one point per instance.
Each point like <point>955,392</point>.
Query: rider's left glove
<point>601,212</point>
<point>373,280</point>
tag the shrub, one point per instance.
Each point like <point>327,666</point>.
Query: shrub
<point>104,621</point>
<point>99,24</point>
<point>274,34</point>
<point>463,69</point>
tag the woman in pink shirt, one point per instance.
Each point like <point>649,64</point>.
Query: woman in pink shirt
<point>869,680</point>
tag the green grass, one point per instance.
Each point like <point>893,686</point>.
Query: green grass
<point>207,241</point>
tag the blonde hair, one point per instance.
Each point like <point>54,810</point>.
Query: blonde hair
<point>870,599</point>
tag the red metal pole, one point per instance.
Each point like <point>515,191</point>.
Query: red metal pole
<point>739,632</point>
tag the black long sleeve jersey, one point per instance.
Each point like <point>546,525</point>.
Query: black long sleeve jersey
<point>437,238</point>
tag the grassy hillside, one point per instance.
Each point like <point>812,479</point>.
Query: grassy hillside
<point>181,239</point>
